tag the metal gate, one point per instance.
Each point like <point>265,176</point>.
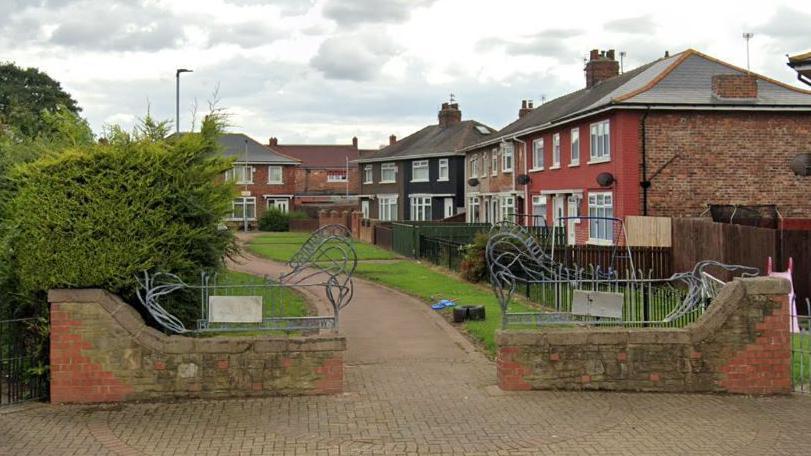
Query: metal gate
<point>23,360</point>
<point>801,351</point>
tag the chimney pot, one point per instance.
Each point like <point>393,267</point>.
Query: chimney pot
<point>449,115</point>
<point>610,54</point>
<point>355,142</point>
<point>273,141</point>
<point>594,55</point>
<point>601,66</point>
<point>392,139</point>
<point>523,104</point>
<point>526,107</point>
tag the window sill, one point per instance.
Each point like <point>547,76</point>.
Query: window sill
<point>574,165</point>
<point>275,183</point>
<point>554,167</point>
<point>443,180</point>
<point>599,242</point>
<point>597,161</point>
<point>506,171</point>
<point>535,170</point>
<point>239,219</point>
<point>418,181</point>
<point>388,182</point>
<point>369,183</point>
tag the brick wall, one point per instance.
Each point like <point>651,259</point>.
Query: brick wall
<point>727,158</point>
<point>101,351</point>
<point>314,181</point>
<point>335,218</point>
<point>740,345</point>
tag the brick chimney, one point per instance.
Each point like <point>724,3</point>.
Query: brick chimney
<point>355,142</point>
<point>601,66</point>
<point>273,141</point>
<point>731,86</point>
<point>392,139</point>
<point>449,115</point>
<point>526,108</point>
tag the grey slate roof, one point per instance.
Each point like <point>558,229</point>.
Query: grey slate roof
<point>234,144</point>
<point>431,141</point>
<point>681,79</point>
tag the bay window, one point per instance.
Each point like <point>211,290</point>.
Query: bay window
<point>244,208</point>
<point>387,208</point>
<point>420,208</point>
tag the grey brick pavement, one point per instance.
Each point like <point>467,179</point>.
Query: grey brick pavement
<point>415,387</point>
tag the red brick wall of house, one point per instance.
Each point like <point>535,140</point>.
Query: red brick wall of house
<point>727,158</point>
<point>314,181</point>
<point>624,165</point>
<point>261,187</point>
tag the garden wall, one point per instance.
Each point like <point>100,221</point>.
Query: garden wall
<point>101,351</point>
<point>740,345</point>
<point>334,218</point>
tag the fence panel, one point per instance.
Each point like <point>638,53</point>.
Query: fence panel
<point>797,245</point>
<point>308,225</point>
<point>442,252</point>
<point>383,236</point>
<point>653,261</point>
<point>23,360</point>
<point>406,235</point>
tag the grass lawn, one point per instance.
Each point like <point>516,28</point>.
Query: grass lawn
<point>801,358</point>
<point>282,246</point>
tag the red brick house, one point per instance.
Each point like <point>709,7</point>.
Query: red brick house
<point>668,138</point>
<point>265,178</point>
<point>327,173</point>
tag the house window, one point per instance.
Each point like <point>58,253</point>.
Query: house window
<point>601,230</point>
<point>244,208</point>
<point>484,164</point>
<point>387,208</point>
<point>539,210</point>
<point>241,174</point>
<point>388,173</point>
<point>280,204</point>
<point>443,169</point>
<point>419,171</point>
<point>364,208</point>
<point>537,154</point>
<point>494,162</point>
<point>420,208</point>
<point>556,150</point>
<point>367,175</point>
<point>473,211</point>
<point>600,142</point>
<point>275,175</point>
<point>474,166</point>
<point>336,176</point>
<point>508,208</point>
<point>574,158</point>
<point>507,157</point>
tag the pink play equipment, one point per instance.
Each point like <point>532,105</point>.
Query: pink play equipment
<point>795,327</point>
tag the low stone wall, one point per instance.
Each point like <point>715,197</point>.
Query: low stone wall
<point>740,345</point>
<point>101,351</point>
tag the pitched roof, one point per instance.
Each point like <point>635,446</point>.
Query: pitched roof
<point>244,147</point>
<point>432,141</point>
<point>682,79</point>
<point>319,156</point>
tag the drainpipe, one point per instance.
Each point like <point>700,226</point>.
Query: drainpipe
<point>645,183</point>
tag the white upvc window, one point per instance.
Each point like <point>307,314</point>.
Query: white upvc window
<point>275,175</point>
<point>420,208</point>
<point>240,174</point>
<point>494,162</point>
<point>336,176</point>
<point>444,170</point>
<point>556,150</point>
<point>368,177</point>
<point>474,166</point>
<point>419,171</point>
<point>243,208</point>
<point>601,231</point>
<point>473,209</point>
<point>485,164</point>
<point>508,208</point>
<point>537,154</point>
<point>507,157</point>
<point>388,173</point>
<point>574,157</point>
<point>539,210</point>
<point>387,208</point>
<point>600,144</point>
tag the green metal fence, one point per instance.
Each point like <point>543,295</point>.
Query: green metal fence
<point>406,235</point>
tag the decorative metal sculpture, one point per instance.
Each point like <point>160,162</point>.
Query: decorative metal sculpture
<point>514,257</point>
<point>326,261</point>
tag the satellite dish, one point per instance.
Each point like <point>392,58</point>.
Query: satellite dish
<point>473,182</point>
<point>522,179</point>
<point>801,164</point>
<point>605,179</point>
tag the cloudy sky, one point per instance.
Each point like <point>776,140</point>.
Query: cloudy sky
<point>322,71</point>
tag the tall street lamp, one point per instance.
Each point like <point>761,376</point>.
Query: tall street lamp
<point>177,96</point>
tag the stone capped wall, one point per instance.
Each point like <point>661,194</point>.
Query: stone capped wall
<point>101,351</point>
<point>740,345</point>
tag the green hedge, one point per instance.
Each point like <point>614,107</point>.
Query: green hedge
<point>275,220</point>
<point>97,215</point>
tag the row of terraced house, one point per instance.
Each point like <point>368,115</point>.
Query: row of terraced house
<point>670,138</point>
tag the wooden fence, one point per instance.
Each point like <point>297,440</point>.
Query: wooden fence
<point>654,261</point>
<point>308,225</point>
<point>797,245</point>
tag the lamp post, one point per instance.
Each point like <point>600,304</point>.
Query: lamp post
<point>177,96</point>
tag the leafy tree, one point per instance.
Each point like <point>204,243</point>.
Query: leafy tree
<point>26,95</point>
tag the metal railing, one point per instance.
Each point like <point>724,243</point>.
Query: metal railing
<point>442,252</point>
<point>801,351</point>
<point>23,360</point>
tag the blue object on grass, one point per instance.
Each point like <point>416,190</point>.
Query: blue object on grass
<point>443,304</point>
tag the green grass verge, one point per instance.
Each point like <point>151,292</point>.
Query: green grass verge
<point>801,358</point>
<point>282,246</point>
<point>431,285</point>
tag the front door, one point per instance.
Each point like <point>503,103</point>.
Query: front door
<point>364,208</point>
<point>494,218</point>
<point>283,205</point>
<point>448,207</point>
<point>573,212</point>
<point>557,210</point>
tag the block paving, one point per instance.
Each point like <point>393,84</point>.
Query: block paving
<point>415,386</point>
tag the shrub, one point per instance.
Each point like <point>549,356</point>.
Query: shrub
<point>474,265</point>
<point>97,215</point>
<point>276,220</point>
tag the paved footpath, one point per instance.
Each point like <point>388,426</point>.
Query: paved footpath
<point>415,386</point>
